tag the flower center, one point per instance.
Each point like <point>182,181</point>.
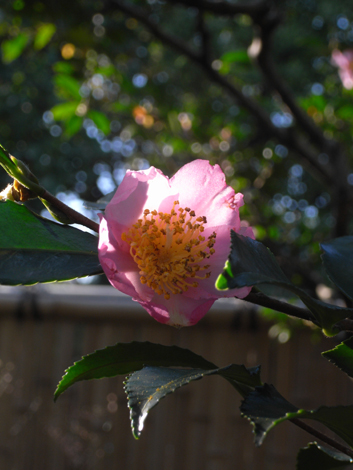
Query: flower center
<point>168,249</point>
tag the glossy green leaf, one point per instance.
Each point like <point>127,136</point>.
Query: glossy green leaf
<point>148,386</point>
<point>250,263</point>
<point>338,262</point>
<point>64,111</point>
<point>123,359</point>
<point>44,34</point>
<point>13,48</point>
<point>318,457</point>
<point>34,249</point>
<point>100,120</point>
<point>342,356</point>
<point>266,408</point>
<point>68,85</point>
<point>243,379</point>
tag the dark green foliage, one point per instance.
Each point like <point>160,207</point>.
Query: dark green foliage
<point>338,262</point>
<point>342,356</point>
<point>123,359</point>
<point>318,457</point>
<point>250,263</point>
<point>34,249</point>
<point>266,408</point>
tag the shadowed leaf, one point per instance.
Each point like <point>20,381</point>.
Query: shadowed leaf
<point>34,249</point>
<point>317,457</point>
<point>124,358</point>
<point>250,263</point>
<point>148,386</point>
<point>342,356</point>
<point>338,262</point>
<point>265,408</point>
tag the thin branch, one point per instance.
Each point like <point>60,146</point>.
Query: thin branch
<point>338,165</point>
<point>286,136</point>
<point>283,307</point>
<point>323,437</point>
<point>73,215</point>
<point>345,325</point>
<point>205,36</point>
<point>253,9</point>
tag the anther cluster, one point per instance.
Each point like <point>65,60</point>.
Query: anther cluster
<point>169,249</point>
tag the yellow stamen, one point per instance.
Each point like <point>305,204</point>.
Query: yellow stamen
<point>168,247</point>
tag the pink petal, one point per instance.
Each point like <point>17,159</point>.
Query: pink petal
<point>118,265</point>
<point>138,191</point>
<point>178,310</point>
<point>203,188</point>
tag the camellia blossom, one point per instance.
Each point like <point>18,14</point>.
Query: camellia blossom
<point>165,241</point>
<point>344,62</point>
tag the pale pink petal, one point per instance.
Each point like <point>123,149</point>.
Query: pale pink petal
<point>344,62</point>
<point>178,310</point>
<point>119,267</point>
<point>207,288</point>
<point>203,188</point>
<point>138,191</point>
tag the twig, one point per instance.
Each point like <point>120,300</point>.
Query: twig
<point>345,325</point>
<point>71,213</point>
<point>253,9</point>
<point>283,307</point>
<point>286,136</point>
<point>323,437</point>
<point>338,165</point>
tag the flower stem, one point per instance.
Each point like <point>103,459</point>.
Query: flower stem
<point>261,299</point>
<point>73,215</point>
<point>323,437</point>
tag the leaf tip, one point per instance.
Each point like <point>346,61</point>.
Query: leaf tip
<point>221,282</point>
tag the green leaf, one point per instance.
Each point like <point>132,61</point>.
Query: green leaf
<point>68,85</point>
<point>250,263</point>
<point>64,111</point>
<point>345,112</point>
<point>342,356</point>
<point>5,160</point>
<point>100,120</point>
<point>265,408</point>
<point>243,379</point>
<point>240,56</point>
<point>73,125</point>
<point>44,34</point>
<point>13,48</point>
<point>122,359</point>
<point>317,457</point>
<point>157,379</point>
<point>338,262</point>
<point>148,386</point>
<point>64,67</point>
<point>34,249</point>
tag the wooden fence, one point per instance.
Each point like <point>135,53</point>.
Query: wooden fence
<point>44,329</point>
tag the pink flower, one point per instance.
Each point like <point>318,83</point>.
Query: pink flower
<point>344,62</point>
<point>165,241</point>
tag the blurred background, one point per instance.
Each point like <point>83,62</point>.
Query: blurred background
<point>89,89</point>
